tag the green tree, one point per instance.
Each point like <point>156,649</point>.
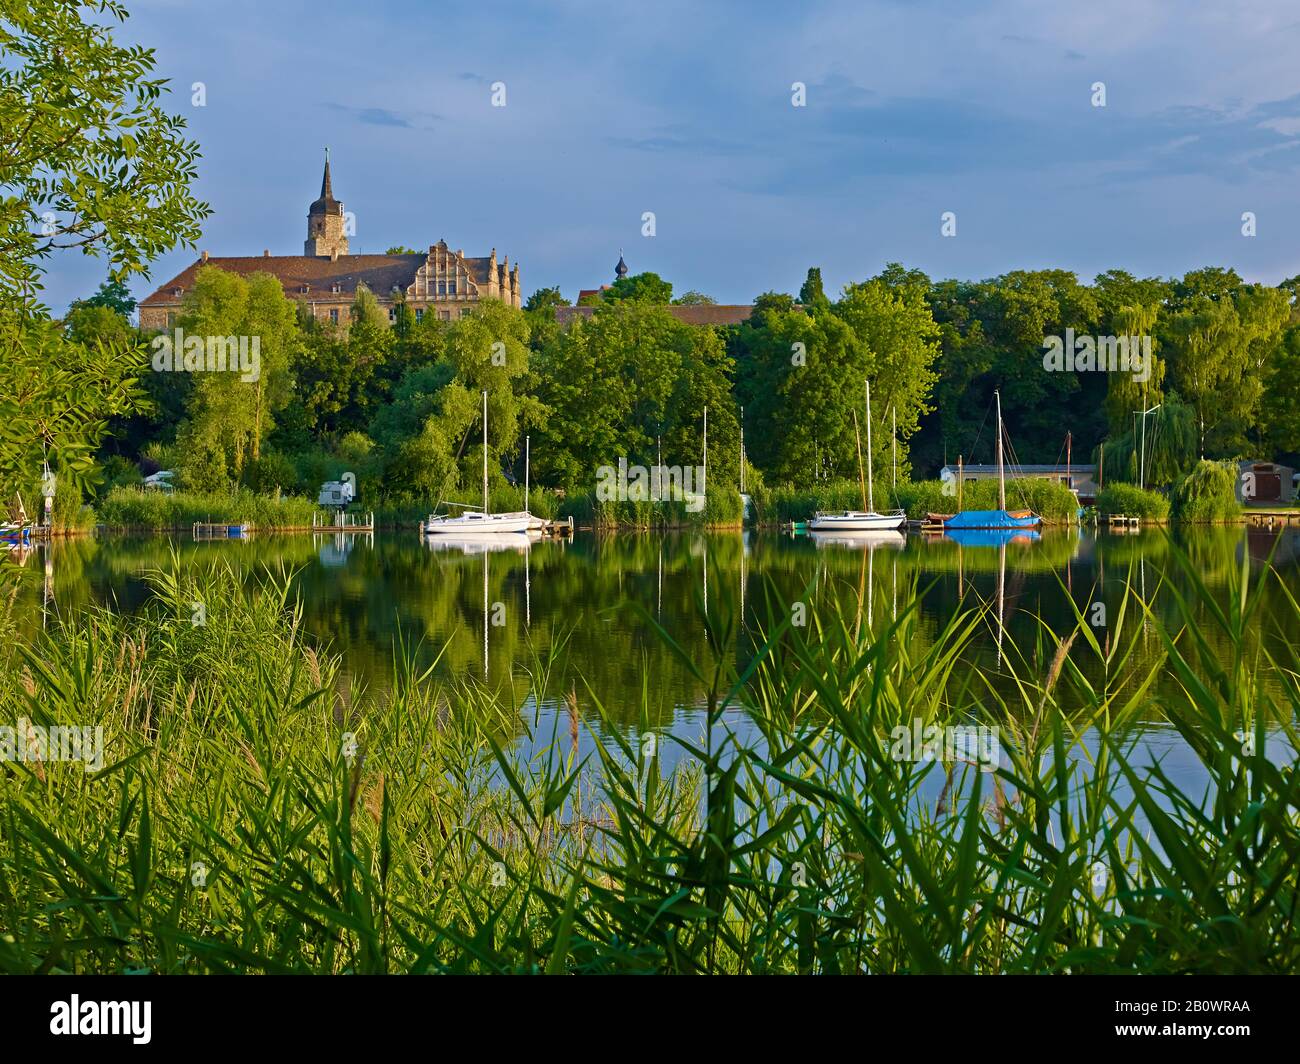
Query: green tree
<point>230,413</point>
<point>640,288</point>
<point>89,158</point>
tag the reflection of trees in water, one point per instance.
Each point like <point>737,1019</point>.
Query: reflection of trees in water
<point>591,602</point>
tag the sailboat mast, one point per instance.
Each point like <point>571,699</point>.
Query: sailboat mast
<point>527,453</point>
<point>857,438</point>
<point>893,447</point>
<point>485,491</point>
<point>871,502</point>
<point>1002,477</point>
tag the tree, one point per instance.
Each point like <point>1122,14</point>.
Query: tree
<point>231,412</point>
<point>112,294</point>
<point>88,160</point>
<point>694,299</point>
<point>640,288</point>
<point>88,156</point>
<point>812,293</point>
<point>545,299</point>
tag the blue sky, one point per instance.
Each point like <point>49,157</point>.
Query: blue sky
<point>913,108</point>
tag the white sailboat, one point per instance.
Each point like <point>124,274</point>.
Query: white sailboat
<point>475,522</point>
<point>861,520</point>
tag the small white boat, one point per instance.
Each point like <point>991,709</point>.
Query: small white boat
<point>858,521</point>
<point>475,523</point>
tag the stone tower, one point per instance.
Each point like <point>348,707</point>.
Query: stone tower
<point>325,236</point>
<point>620,271</point>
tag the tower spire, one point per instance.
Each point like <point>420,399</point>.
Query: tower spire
<point>326,190</point>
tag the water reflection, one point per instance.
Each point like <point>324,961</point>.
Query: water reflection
<point>494,606</point>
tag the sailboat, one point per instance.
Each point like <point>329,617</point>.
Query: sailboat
<point>866,520</point>
<point>475,522</point>
<point>1001,518</point>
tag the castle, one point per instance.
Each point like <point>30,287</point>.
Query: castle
<point>325,277</point>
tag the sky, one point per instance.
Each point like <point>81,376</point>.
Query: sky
<point>912,109</point>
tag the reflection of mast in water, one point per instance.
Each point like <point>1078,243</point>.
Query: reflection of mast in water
<point>485,614</point>
<point>706,576</point>
<point>895,610</point>
<point>47,594</point>
<point>659,599</point>
<point>871,587</point>
<point>528,586</point>
<point>742,578</point>
<point>1002,583</point>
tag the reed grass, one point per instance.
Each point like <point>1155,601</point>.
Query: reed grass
<point>440,843</point>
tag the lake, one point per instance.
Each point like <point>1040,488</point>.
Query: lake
<point>593,604</point>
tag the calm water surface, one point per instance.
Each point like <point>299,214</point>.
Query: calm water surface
<point>493,613</point>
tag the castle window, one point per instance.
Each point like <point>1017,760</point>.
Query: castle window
<point>392,313</point>
<point>419,314</point>
<point>177,291</point>
<point>442,288</point>
<point>451,287</point>
<point>334,316</point>
<point>337,288</point>
<point>445,315</point>
<point>464,312</point>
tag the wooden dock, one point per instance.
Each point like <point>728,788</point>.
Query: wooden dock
<point>210,530</point>
<point>1272,518</point>
<point>342,522</point>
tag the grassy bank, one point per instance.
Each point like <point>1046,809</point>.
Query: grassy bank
<point>1054,503</point>
<point>256,814</point>
<point>130,509</point>
<point>721,508</point>
<point>1129,500</point>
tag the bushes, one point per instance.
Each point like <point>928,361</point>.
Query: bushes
<point>1208,493</point>
<point>155,511</point>
<point>1132,501</point>
<point>722,508</point>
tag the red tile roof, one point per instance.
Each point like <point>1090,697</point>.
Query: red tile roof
<point>377,272</point>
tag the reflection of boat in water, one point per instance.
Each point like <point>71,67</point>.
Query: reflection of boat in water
<point>479,543</point>
<point>854,540</point>
<point>991,537</point>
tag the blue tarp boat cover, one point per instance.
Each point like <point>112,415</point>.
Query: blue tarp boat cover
<point>990,519</point>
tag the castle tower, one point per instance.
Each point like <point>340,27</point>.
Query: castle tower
<point>325,236</point>
<point>620,271</point>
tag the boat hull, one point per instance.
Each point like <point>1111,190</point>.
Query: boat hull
<point>476,524</point>
<point>858,522</point>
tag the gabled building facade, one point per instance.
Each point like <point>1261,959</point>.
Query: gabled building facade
<point>443,283</point>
